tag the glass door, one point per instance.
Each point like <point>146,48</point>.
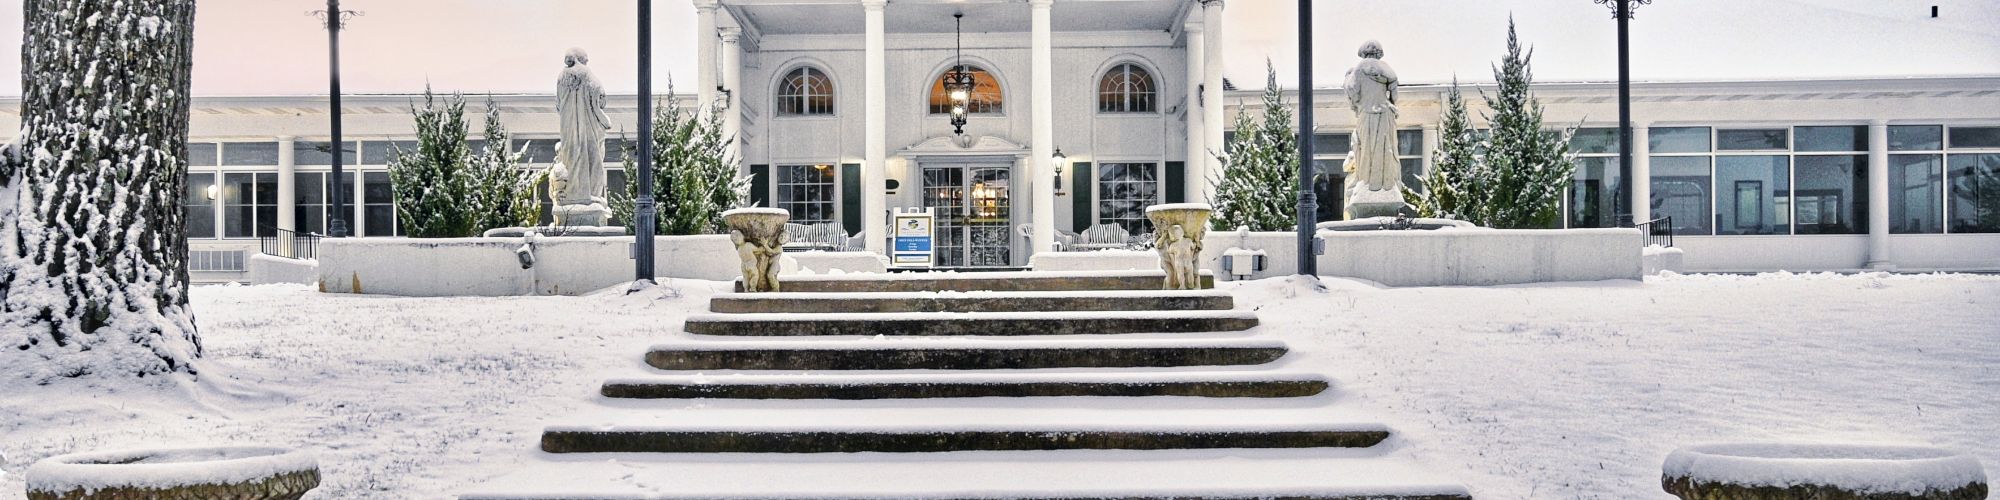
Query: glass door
<point>974,213</point>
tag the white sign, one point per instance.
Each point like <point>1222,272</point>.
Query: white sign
<point>914,238</point>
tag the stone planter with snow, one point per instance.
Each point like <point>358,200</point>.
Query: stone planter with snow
<point>234,473</point>
<point>1797,471</point>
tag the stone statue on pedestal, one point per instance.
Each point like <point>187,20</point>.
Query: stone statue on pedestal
<point>1178,230</point>
<point>576,182</point>
<point>758,235</point>
<point>1375,176</point>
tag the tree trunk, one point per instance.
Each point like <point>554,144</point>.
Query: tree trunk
<point>93,258</point>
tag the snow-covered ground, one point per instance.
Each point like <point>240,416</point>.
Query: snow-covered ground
<point>1574,390</point>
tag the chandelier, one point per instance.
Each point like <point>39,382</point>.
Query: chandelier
<point>958,82</point>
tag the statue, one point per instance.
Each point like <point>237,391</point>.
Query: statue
<point>1179,228</point>
<point>576,182</point>
<point>758,235</point>
<point>1375,177</point>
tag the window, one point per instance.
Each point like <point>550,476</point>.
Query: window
<point>1680,190</point>
<point>1127,88</point>
<point>1916,187</point>
<point>1330,175</point>
<point>1593,193</point>
<point>260,154</point>
<point>1916,138</point>
<point>805,91</point>
<point>984,99</point>
<point>309,199</point>
<point>1124,190</point>
<point>1975,192</point>
<point>249,203</point>
<point>806,191</point>
<point>378,205</point>
<point>198,203</point>
<point>1832,195</point>
<point>1975,137</point>
<point>1763,139</point>
<point>1667,140</point>
<point>203,154</point>
<point>535,151</point>
<point>1825,139</point>
<point>1410,155</point>
<point>380,152</point>
<point>1754,194</point>
<point>321,153</point>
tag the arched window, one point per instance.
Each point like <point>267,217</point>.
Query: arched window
<point>985,97</point>
<point>805,91</point>
<point>1127,88</point>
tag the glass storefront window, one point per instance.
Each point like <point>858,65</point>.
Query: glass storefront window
<point>1680,186</point>
<point>378,205</point>
<point>321,153</point>
<point>1331,144</point>
<point>380,152</point>
<point>1916,190</point>
<point>536,151</point>
<point>1593,194</point>
<point>203,154</point>
<point>255,154</point>
<point>1594,141</point>
<point>1329,188</point>
<point>249,203</point>
<point>1831,139</point>
<point>1975,192</point>
<point>1762,139</point>
<point>1832,194</point>
<point>1975,137</point>
<point>198,204</point>
<point>1753,194</point>
<point>309,202</point>
<point>1677,140</point>
<point>1916,137</point>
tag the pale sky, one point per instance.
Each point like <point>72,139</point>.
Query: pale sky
<point>271,47</point>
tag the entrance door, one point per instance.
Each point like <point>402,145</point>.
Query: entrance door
<point>974,216</point>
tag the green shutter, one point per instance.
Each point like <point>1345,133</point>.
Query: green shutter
<point>1176,182</point>
<point>760,185</point>
<point>1081,213</point>
<point>850,197</point>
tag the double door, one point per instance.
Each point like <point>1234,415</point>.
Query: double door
<point>974,212</point>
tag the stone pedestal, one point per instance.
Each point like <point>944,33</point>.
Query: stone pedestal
<point>1365,203</point>
<point>1177,232</point>
<point>593,214</point>
<point>759,237</point>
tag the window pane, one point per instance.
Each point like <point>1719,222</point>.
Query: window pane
<point>541,151</point>
<point>1753,195</point>
<point>1410,142</point>
<point>1594,141</point>
<point>985,96</point>
<point>1677,140</point>
<point>1330,186</point>
<point>1832,195</point>
<point>202,154</point>
<point>1975,193</point>
<point>250,153</point>
<point>1124,191</point>
<point>807,191</point>
<point>381,220</point>
<point>321,153</point>
<point>1843,138</point>
<point>239,215</point>
<point>1413,173</point>
<point>1975,137</point>
<point>1681,191</point>
<point>1916,191</point>
<point>309,202</point>
<point>199,207</point>
<point>1331,144</point>
<point>379,152</point>
<point>1916,137</point>
<point>376,190</point>
<point>614,151</point>
<point>1593,194</point>
<point>1751,139</point>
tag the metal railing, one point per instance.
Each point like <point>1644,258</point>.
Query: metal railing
<point>1659,231</point>
<point>288,243</point>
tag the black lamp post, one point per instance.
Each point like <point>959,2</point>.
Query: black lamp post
<point>1308,202</point>
<point>1622,9</point>
<point>336,19</point>
<point>645,212</point>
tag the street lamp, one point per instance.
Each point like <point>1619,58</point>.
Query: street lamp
<point>644,211</point>
<point>1308,202</point>
<point>1622,10</point>
<point>1058,161</point>
<point>335,19</point>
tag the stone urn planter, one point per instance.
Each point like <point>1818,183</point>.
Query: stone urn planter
<point>233,473</point>
<point>1177,232</point>
<point>759,237</point>
<point>1803,471</point>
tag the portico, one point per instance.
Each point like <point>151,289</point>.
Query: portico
<point>840,112</point>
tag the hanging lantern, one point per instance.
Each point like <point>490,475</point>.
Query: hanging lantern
<point>958,82</point>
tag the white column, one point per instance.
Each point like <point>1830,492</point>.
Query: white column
<point>732,79</point>
<point>705,41</point>
<point>1878,196</point>
<point>1212,119</point>
<point>876,148</point>
<point>1431,142</point>
<point>1043,124</point>
<point>1642,174</point>
<point>1197,133</point>
<point>287,191</point>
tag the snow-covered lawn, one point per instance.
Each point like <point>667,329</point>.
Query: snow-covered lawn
<point>1572,390</point>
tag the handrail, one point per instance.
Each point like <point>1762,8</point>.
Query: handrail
<point>1659,231</point>
<point>288,243</point>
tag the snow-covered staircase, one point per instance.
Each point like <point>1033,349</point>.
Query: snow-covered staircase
<point>1005,385</point>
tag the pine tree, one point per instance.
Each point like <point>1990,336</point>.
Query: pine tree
<point>695,177</point>
<point>1455,183</point>
<point>1258,186</point>
<point>432,185</point>
<point>1526,167</point>
<point>93,254</point>
<point>503,194</point>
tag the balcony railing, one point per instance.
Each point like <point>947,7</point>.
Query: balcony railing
<point>288,243</point>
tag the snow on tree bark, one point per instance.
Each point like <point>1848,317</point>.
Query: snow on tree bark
<point>1258,187</point>
<point>93,258</point>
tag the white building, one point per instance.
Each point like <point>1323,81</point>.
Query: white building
<point>840,114</point>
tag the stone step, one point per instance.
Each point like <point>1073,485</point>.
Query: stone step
<point>1019,281</point>
<point>1085,475</point>
<point>960,354</point>
<point>977,323</point>
<point>896,302</point>
<point>970,385</point>
<point>790,429</point>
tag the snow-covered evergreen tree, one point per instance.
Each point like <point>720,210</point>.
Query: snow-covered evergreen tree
<point>1456,181</point>
<point>433,186</point>
<point>503,193</point>
<point>93,250</point>
<point>1258,185</point>
<point>1526,167</point>
<point>695,177</point>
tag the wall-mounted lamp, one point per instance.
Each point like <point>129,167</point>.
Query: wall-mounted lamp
<point>213,192</point>
<point>1059,161</point>
<point>722,97</point>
